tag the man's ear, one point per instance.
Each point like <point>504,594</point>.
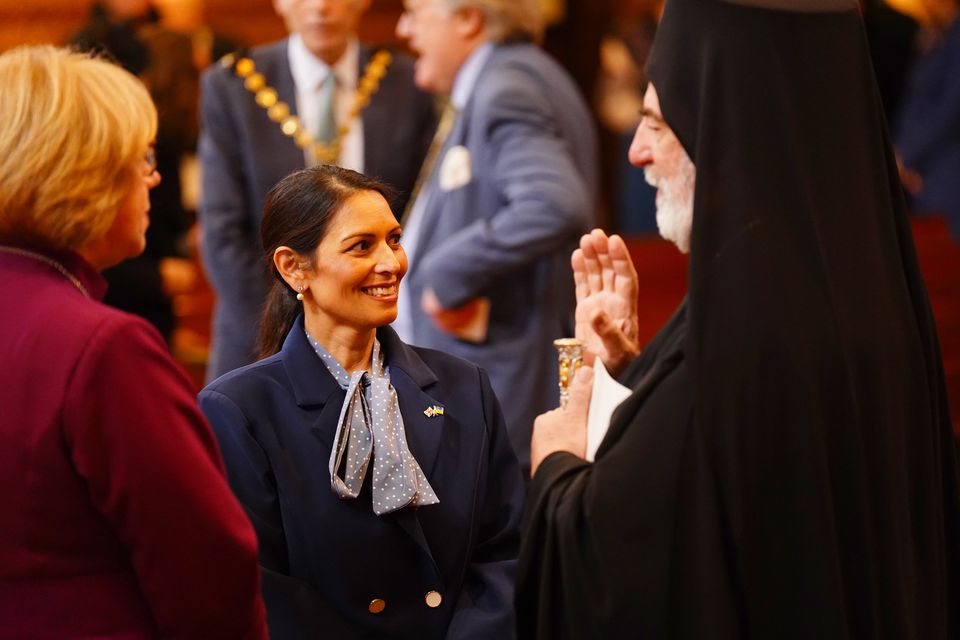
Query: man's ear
<point>290,265</point>
<point>469,22</point>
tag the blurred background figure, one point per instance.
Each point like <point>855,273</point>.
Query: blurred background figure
<point>317,96</point>
<point>112,29</point>
<point>928,125</point>
<point>117,521</point>
<point>513,185</point>
<point>189,17</point>
<point>619,97</point>
<point>572,33</point>
<point>131,32</point>
<point>892,38</point>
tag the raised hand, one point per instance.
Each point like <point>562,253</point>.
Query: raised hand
<point>606,316</point>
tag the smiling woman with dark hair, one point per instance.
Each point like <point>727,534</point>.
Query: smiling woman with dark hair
<point>378,476</point>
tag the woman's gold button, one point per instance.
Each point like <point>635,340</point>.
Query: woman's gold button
<point>433,599</point>
<point>376,605</point>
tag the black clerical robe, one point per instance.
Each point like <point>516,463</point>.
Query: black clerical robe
<point>607,543</point>
<point>785,467</point>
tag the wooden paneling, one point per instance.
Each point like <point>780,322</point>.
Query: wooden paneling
<point>37,21</point>
<point>248,21</point>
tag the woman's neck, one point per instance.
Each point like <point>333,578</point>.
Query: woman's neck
<point>351,347</point>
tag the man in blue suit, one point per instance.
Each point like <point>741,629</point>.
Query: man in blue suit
<point>501,207</point>
<point>317,96</point>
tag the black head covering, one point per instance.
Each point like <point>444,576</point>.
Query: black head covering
<point>817,378</point>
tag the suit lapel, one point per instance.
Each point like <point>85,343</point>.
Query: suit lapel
<point>423,432</point>
<point>376,120</point>
<point>408,520</point>
<point>275,67</point>
<point>313,386</point>
<point>411,378</point>
<point>438,198</point>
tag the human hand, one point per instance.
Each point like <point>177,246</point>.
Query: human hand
<point>910,179</point>
<point>564,429</point>
<point>450,320</point>
<point>607,284</point>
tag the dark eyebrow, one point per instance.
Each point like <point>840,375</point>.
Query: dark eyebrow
<point>369,234</point>
<point>649,113</point>
<point>356,236</point>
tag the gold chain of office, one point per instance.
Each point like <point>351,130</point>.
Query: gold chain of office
<point>279,111</point>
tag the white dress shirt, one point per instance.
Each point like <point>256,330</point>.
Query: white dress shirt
<point>309,73</point>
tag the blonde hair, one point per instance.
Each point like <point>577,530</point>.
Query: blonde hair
<point>507,20</point>
<point>73,132</point>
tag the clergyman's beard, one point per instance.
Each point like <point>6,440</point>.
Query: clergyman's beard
<point>675,203</point>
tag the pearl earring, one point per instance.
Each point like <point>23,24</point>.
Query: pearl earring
<point>300,292</point>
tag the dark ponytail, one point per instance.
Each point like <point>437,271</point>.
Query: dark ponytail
<point>279,313</point>
<point>296,214</point>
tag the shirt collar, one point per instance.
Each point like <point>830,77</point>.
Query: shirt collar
<point>469,72</point>
<point>307,373</point>
<point>309,71</point>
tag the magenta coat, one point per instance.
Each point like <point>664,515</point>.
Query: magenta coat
<point>117,520</point>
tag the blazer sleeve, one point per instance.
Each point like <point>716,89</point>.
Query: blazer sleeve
<point>295,609</point>
<point>152,469</point>
<point>485,608</point>
<point>230,242</point>
<point>544,201</point>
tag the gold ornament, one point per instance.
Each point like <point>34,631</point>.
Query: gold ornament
<point>266,98</point>
<point>569,360</point>
<point>244,67</point>
<point>290,126</point>
<point>255,82</point>
<point>279,111</point>
<point>430,412</point>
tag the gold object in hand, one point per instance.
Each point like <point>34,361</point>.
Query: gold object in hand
<point>570,358</point>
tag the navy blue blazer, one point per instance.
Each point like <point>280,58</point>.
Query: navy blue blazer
<point>325,559</point>
<point>243,154</point>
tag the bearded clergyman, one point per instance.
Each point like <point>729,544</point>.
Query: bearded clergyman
<point>784,466</point>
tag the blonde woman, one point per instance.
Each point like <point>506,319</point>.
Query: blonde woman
<point>117,520</point>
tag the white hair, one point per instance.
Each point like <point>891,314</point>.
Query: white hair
<point>507,20</point>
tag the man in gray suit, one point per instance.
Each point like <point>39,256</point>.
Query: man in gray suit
<point>317,96</point>
<point>502,205</point>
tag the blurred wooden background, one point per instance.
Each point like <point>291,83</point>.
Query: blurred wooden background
<point>575,42</point>
<point>247,21</point>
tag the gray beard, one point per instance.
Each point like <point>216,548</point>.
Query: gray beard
<point>675,203</point>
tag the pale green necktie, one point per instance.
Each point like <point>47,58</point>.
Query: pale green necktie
<point>327,127</point>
